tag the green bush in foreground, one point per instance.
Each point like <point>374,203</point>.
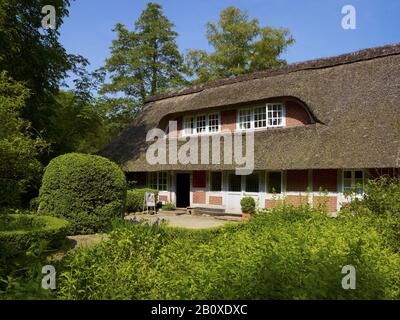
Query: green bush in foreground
<point>382,201</point>
<point>285,253</point>
<point>19,231</point>
<point>169,206</point>
<point>87,190</point>
<point>135,199</point>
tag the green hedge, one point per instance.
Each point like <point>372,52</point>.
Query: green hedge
<point>135,199</point>
<point>285,253</point>
<point>87,190</point>
<point>19,231</point>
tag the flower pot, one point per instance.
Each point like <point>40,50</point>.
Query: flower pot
<point>246,215</point>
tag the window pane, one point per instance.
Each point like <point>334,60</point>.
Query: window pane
<point>201,124</point>
<point>274,180</point>
<point>235,182</point>
<point>216,178</point>
<point>275,115</point>
<point>189,125</point>
<point>252,182</point>
<point>162,181</point>
<point>153,180</point>
<point>213,122</point>
<point>358,174</point>
<point>260,117</point>
<point>347,184</point>
<point>347,174</point>
<point>245,119</point>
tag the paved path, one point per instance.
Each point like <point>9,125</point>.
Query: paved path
<point>183,220</point>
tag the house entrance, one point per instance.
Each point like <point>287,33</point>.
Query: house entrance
<point>182,190</point>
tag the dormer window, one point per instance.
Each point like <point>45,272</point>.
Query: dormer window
<point>270,115</point>
<point>189,125</point>
<point>245,119</point>
<point>260,117</point>
<point>275,115</point>
<point>213,122</point>
<point>202,124</point>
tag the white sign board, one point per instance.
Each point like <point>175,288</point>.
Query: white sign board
<point>150,199</point>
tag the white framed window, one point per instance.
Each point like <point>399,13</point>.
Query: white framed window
<point>189,125</point>
<point>234,182</point>
<point>158,180</point>
<point>252,182</point>
<point>215,180</point>
<point>275,115</point>
<point>213,122</point>
<point>201,124</point>
<point>260,117</point>
<point>274,182</point>
<point>269,115</point>
<point>245,119</point>
<point>353,180</point>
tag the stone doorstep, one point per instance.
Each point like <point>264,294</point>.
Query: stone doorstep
<point>229,218</point>
<point>213,212</point>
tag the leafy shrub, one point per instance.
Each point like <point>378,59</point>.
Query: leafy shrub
<point>169,206</point>
<point>135,199</point>
<point>381,201</point>
<point>21,275</point>
<point>19,231</point>
<point>34,204</point>
<point>19,164</point>
<point>87,190</point>
<point>248,205</point>
<point>381,196</point>
<point>287,253</point>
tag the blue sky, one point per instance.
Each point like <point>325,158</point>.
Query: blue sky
<point>315,24</point>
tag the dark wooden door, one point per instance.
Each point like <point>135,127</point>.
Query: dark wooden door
<point>182,190</point>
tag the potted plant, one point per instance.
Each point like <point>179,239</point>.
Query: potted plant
<point>248,207</point>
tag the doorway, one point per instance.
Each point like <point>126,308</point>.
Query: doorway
<point>182,190</point>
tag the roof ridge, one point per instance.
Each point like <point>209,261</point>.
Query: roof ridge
<point>320,63</point>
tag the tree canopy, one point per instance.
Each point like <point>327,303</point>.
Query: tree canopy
<point>240,46</point>
<point>19,166</point>
<point>145,61</point>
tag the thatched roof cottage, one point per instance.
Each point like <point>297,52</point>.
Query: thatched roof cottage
<point>321,125</point>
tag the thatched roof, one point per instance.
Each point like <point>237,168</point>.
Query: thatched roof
<point>354,99</point>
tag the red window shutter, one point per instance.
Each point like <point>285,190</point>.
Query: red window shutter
<point>199,179</point>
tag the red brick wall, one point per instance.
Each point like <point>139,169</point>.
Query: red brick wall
<point>296,200</point>
<point>325,180</point>
<point>272,203</point>
<point>228,120</point>
<point>329,202</point>
<point>297,180</point>
<point>199,197</point>
<point>296,115</point>
<point>215,200</point>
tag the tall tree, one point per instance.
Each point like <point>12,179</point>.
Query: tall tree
<point>240,46</point>
<point>145,61</point>
<point>19,167</point>
<point>34,56</point>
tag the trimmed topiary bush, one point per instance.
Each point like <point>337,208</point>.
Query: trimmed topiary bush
<point>87,190</point>
<point>19,231</point>
<point>248,205</point>
<point>135,199</point>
